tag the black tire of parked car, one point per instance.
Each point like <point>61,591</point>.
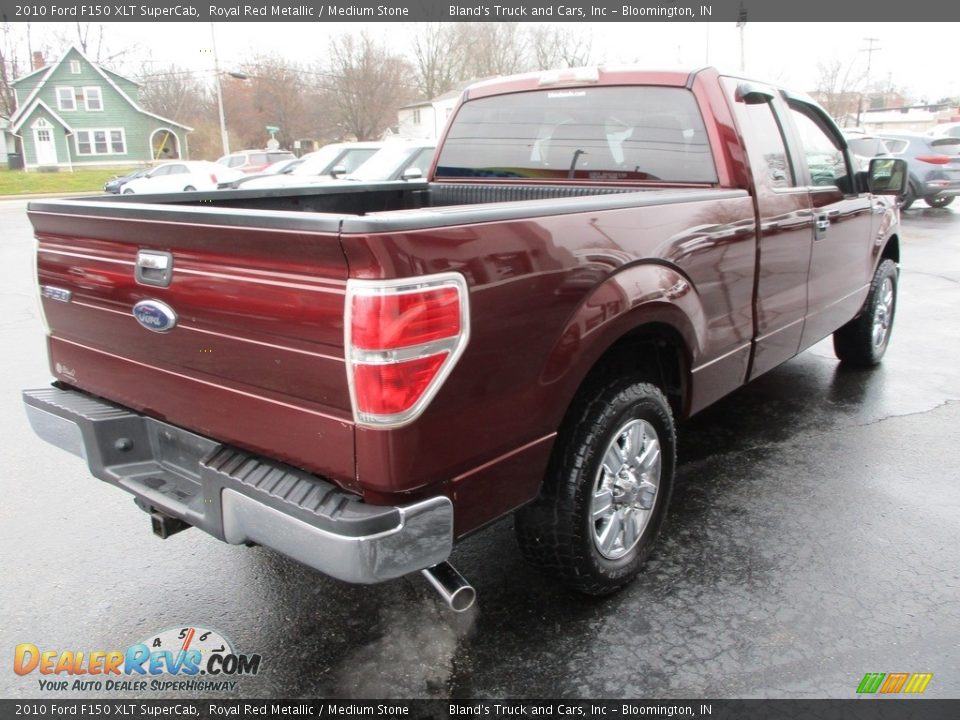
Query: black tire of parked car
<point>939,201</point>
<point>857,343</point>
<point>189,188</point>
<point>909,197</point>
<point>558,531</point>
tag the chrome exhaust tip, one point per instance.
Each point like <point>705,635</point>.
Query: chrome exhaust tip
<point>452,586</point>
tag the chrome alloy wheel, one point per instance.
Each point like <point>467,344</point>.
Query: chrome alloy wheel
<point>883,314</point>
<point>625,490</point>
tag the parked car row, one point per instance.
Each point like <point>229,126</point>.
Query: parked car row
<point>933,160</point>
<point>363,161</point>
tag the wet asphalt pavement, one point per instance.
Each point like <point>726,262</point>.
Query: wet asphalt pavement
<point>814,536</point>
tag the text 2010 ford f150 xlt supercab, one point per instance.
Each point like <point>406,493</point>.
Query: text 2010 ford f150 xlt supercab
<point>359,377</point>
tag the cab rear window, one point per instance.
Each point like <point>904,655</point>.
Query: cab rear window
<point>597,133</point>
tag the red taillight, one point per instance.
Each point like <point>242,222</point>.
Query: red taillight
<point>395,388</point>
<point>934,159</point>
<point>403,338</point>
<point>213,179</point>
<point>384,322</point>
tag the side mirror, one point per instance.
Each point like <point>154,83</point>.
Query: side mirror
<point>751,94</point>
<point>338,170</point>
<point>887,176</point>
<point>412,173</point>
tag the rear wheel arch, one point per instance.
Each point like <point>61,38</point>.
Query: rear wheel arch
<point>654,351</point>
<point>644,303</point>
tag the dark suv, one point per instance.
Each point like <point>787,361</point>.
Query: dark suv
<point>254,161</point>
<point>934,167</point>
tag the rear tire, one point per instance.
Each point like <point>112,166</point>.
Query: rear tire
<point>863,341</point>
<point>939,201</point>
<point>909,197</point>
<point>128,192</point>
<point>606,492</point>
<point>189,188</point>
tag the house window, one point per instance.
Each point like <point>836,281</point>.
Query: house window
<point>43,135</point>
<point>416,117</point>
<point>92,98</point>
<point>105,141</point>
<point>66,99</point>
<point>74,67</point>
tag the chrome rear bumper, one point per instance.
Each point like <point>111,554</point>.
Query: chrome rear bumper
<point>239,497</point>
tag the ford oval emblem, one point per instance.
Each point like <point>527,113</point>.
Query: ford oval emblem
<point>155,315</point>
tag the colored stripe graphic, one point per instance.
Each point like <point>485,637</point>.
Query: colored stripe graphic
<point>918,682</point>
<point>870,683</point>
<point>894,683</point>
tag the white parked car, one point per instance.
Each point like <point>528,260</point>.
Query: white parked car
<point>182,176</point>
<point>950,129</point>
<point>327,163</point>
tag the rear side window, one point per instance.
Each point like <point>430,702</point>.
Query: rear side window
<point>896,147</point>
<point>867,147</point>
<point>596,133</point>
<point>947,146</point>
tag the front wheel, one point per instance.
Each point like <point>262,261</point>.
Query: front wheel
<point>607,490</point>
<point>939,201</point>
<point>863,341</point>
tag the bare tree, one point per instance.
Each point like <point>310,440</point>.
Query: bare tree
<point>839,87</point>
<point>366,85</point>
<point>438,59</point>
<point>174,92</point>
<point>491,49</point>
<point>275,94</point>
<point>553,46</point>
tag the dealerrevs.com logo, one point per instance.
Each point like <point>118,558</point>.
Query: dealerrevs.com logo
<point>184,658</point>
<point>893,683</point>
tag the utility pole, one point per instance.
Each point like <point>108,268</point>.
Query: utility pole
<point>870,50</point>
<point>742,24</point>
<point>216,71</point>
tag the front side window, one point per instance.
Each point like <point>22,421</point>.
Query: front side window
<point>92,98</point>
<point>66,99</point>
<point>637,133</point>
<point>825,160</point>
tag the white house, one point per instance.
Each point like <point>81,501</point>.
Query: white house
<point>425,120</point>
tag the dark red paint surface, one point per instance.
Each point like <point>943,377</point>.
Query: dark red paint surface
<point>256,359</point>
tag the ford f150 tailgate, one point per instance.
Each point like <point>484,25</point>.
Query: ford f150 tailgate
<point>228,329</point>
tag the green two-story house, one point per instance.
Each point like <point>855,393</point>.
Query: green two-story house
<point>75,113</point>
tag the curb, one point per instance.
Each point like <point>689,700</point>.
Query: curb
<point>43,196</point>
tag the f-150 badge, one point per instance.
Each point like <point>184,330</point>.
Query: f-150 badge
<point>155,315</point>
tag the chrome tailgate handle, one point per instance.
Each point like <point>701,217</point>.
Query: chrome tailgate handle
<point>154,268</point>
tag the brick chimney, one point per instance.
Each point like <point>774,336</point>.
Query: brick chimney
<point>38,61</point>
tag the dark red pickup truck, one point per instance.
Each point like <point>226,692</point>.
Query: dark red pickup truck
<point>359,377</point>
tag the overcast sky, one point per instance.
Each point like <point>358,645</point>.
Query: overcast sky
<point>911,55</point>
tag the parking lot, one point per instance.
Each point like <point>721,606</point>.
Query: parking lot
<point>813,537</point>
